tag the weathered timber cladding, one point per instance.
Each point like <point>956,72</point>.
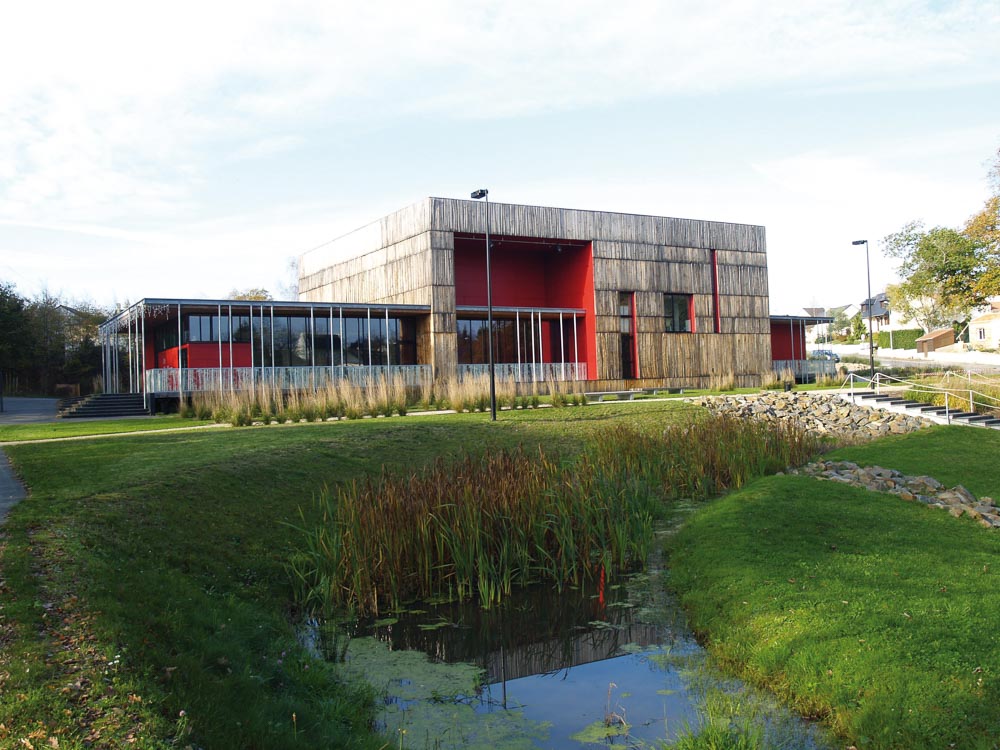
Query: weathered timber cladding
<point>408,257</point>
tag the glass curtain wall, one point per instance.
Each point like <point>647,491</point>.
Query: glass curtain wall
<point>295,337</point>
<point>473,344</point>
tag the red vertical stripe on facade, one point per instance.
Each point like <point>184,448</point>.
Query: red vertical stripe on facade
<point>635,339</point>
<point>717,314</point>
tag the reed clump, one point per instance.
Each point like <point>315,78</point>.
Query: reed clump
<point>340,399</point>
<point>722,381</point>
<point>485,524</point>
<point>770,380</point>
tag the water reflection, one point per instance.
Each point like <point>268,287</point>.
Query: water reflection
<point>537,631</point>
<point>609,665</point>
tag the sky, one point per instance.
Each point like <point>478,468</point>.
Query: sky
<point>187,149</point>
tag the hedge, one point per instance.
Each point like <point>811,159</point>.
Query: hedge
<point>904,339</point>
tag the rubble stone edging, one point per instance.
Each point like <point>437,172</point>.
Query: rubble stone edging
<point>956,500</point>
<point>825,413</point>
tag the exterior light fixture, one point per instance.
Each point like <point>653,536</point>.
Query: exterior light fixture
<point>476,195</point>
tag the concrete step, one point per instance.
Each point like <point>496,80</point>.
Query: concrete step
<point>964,416</point>
<point>978,419</point>
<point>107,405</point>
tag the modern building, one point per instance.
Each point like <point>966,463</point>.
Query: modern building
<point>604,296</point>
<point>617,300</point>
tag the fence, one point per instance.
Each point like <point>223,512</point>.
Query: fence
<point>806,369</point>
<point>954,398</point>
<point>190,380</point>
<point>527,373</point>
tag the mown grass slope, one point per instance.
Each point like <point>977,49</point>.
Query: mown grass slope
<point>876,614</point>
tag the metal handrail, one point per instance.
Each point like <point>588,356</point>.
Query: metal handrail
<point>882,380</point>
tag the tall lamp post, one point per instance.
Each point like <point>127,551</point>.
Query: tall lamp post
<point>871,333</point>
<point>484,193</point>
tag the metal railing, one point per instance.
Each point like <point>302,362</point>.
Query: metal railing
<point>952,395</point>
<point>199,379</point>
<point>806,369</point>
<point>527,373</point>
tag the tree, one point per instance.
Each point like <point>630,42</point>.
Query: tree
<point>14,341</point>
<point>940,269</point>
<point>858,328</point>
<point>983,228</point>
<point>839,324</point>
<point>255,295</point>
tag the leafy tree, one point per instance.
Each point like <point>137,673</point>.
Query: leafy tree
<point>14,341</point>
<point>940,268</point>
<point>44,341</point>
<point>983,228</point>
<point>840,323</point>
<point>858,327</point>
<point>256,295</point>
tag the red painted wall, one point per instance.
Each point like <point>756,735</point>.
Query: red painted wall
<point>788,341</point>
<point>534,278</point>
<point>202,355</point>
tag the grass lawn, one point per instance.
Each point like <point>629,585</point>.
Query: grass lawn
<point>876,614</point>
<point>77,428</point>
<point>144,600</point>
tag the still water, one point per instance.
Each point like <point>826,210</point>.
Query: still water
<point>601,666</point>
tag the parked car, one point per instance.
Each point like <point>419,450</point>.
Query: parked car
<point>824,354</point>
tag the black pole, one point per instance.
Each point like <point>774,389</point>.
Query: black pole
<point>871,302</point>
<point>489,316</point>
<point>484,193</point>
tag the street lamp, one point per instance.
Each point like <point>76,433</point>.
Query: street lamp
<point>484,193</point>
<point>871,333</point>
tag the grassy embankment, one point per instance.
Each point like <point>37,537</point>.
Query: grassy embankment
<point>876,614</point>
<point>144,593</point>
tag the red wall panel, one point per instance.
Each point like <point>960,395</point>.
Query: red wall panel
<point>788,340</point>
<point>534,277</point>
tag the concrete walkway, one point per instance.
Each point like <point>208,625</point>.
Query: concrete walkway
<point>18,410</point>
<point>11,490</point>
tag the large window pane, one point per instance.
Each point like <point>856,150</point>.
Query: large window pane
<point>676,312</point>
<point>299,342</point>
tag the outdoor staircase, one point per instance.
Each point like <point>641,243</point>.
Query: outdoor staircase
<point>938,414</point>
<point>104,406</point>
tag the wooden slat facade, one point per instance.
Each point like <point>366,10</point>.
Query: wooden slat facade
<point>408,257</point>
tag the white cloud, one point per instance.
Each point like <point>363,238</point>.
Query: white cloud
<point>119,112</point>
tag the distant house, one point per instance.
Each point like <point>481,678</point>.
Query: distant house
<point>936,339</point>
<point>822,332</point>
<point>878,306</point>
<point>984,330</point>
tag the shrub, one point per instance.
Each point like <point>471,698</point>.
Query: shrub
<point>904,339</point>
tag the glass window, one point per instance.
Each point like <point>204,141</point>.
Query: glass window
<point>355,341</point>
<point>166,337</point>
<point>299,342</point>
<point>241,329</point>
<point>199,328</point>
<point>625,312</point>
<point>677,313</point>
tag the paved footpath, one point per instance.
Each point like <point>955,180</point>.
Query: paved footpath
<point>18,410</point>
<point>11,490</point>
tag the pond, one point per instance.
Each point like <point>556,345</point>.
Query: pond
<point>609,665</point>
